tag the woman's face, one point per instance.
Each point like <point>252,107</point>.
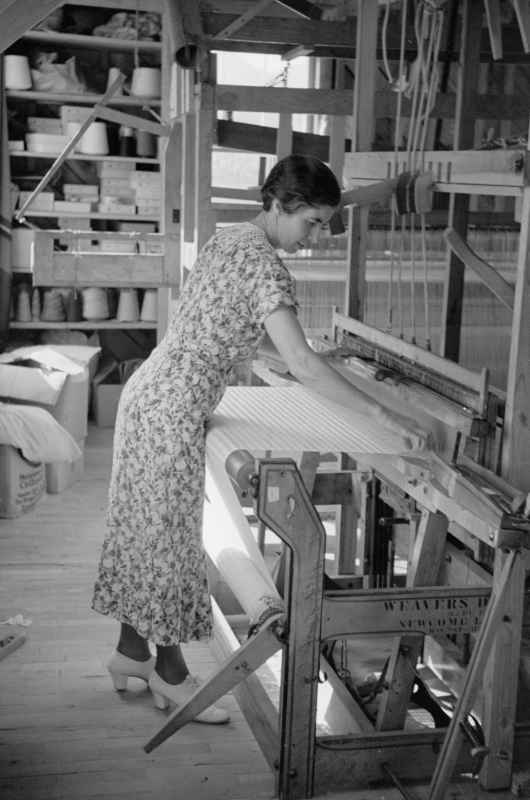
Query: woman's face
<point>302,228</point>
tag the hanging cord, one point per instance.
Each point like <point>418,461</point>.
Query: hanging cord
<point>136,44</point>
<point>398,85</point>
<point>423,86</point>
<point>424,77</point>
<point>400,278</point>
<point>413,275</point>
<point>420,96</point>
<point>425,283</point>
<point>436,38</point>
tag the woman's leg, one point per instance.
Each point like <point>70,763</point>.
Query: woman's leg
<point>132,645</point>
<point>170,664</point>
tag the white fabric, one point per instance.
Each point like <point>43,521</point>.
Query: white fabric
<point>36,433</point>
<point>294,418</point>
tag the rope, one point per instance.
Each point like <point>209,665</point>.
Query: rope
<point>396,148</point>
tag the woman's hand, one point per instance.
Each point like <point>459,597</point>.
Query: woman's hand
<point>337,354</point>
<point>414,436</point>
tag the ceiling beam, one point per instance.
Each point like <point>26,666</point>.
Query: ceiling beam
<point>302,7</point>
<point>17,17</point>
<point>284,31</point>
<point>243,19</point>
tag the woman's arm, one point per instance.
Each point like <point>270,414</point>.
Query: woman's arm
<point>309,368</point>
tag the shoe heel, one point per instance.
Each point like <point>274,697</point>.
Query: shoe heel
<point>161,701</point>
<point>119,681</point>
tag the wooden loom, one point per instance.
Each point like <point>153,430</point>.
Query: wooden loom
<point>453,496</point>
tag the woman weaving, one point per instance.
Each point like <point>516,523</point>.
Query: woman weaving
<point>152,574</point>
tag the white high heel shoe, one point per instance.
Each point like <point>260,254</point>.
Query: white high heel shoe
<point>166,694</point>
<point>121,667</point>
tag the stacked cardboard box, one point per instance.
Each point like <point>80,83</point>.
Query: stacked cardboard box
<point>80,198</point>
<point>147,188</point>
<point>55,378</point>
<point>115,194</point>
<point>43,201</point>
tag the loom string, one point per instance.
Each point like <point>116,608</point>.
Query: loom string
<point>397,84</point>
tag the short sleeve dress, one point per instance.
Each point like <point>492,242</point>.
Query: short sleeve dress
<point>152,572</point>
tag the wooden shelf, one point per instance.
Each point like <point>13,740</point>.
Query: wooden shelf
<point>93,215</point>
<point>110,324</point>
<point>92,42</point>
<point>51,98</point>
<point>83,157</point>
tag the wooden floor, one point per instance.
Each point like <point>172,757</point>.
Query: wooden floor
<point>65,732</point>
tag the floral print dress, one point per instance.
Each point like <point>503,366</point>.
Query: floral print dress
<point>152,573</point>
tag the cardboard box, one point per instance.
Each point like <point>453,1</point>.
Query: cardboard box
<point>22,248</point>
<point>114,169</point>
<point>73,114</point>
<point>149,192</point>
<point>45,125</point>
<point>56,378</point>
<point>63,474</point>
<point>105,403</point>
<point>22,483</point>
<point>114,185</point>
<point>116,208</point>
<point>77,206</point>
<point>43,202</point>
<point>78,189</point>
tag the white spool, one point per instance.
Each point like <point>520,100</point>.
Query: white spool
<point>71,130</point>
<point>114,73</point>
<point>146,82</point>
<point>128,308</point>
<point>23,306</point>
<point>150,306</point>
<point>95,305</point>
<point>17,73</point>
<point>94,141</point>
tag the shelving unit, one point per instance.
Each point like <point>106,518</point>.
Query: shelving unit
<point>106,324</point>
<point>130,104</point>
<point>93,215</point>
<point>81,99</point>
<point>91,42</point>
<point>83,157</point>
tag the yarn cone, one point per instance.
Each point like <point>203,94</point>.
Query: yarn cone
<point>23,313</point>
<point>74,306</point>
<point>35,305</point>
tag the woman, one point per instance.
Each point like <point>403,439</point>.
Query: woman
<point>152,575</point>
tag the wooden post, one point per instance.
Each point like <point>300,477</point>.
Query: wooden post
<point>284,141</point>
<point>426,560</point>
<point>204,216</point>
<point>464,138</point>
<point>500,681</point>
<point>362,137</point>
<point>516,435</point>
<point>337,131</point>
<point>171,169</point>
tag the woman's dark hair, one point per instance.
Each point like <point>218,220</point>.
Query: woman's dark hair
<point>300,181</point>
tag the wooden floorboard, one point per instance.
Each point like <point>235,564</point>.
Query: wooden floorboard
<point>65,732</point>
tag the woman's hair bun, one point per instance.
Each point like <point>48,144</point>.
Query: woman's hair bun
<point>299,180</point>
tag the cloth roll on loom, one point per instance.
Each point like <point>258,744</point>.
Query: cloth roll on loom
<point>254,419</point>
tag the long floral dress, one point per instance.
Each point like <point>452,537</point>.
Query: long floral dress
<point>152,572</point>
